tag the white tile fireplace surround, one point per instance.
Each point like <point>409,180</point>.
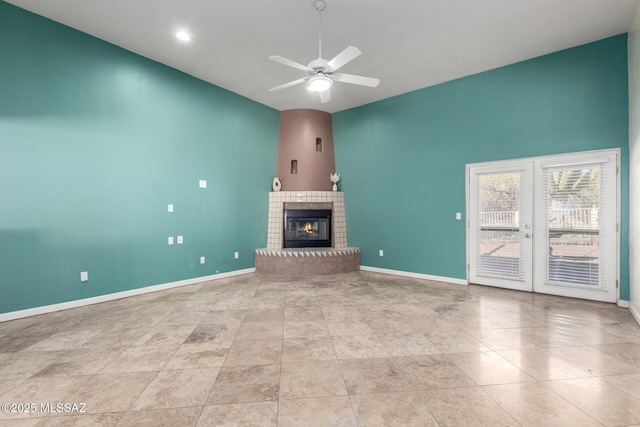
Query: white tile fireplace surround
<point>306,261</point>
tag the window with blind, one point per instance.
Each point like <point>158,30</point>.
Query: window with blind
<point>574,223</point>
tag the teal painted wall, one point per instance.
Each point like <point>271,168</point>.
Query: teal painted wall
<point>95,141</point>
<point>402,160</point>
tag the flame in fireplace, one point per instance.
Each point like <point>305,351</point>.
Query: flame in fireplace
<point>308,229</point>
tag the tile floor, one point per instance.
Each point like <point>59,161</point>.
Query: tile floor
<point>358,349</point>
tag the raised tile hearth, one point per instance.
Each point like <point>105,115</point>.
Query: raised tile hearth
<point>306,261</point>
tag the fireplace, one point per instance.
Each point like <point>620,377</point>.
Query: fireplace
<point>319,248</point>
<point>307,228</point>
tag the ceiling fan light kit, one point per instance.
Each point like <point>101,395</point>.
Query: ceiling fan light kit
<point>319,83</point>
<point>322,72</point>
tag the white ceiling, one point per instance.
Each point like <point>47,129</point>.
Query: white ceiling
<point>407,44</point>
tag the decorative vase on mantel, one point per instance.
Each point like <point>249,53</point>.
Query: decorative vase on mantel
<point>277,185</point>
<point>334,177</point>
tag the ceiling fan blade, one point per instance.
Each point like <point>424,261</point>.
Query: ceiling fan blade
<point>325,96</point>
<point>286,85</point>
<point>347,55</point>
<point>290,63</point>
<point>356,80</point>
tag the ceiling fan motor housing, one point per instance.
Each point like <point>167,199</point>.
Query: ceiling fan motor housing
<point>320,64</point>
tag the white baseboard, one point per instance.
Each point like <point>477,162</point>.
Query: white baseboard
<point>635,313</point>
<point>622,303</point>
<point>118,295</point>
<point>415,275</point>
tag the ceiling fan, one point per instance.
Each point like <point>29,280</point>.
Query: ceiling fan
<point>322,73</point>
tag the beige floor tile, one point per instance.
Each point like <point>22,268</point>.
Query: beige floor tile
<point>311,379</point>
<point>510,320</point>
<point>112,392</point>
<point>407,337</point>
<point>630,384</point>
<point>39,390</point>
<point>81,361</point>
<point>213,332</point>
<point>261,352</point>
<point>140,359</point>
<point>594,361</point>
<point>316,412</point>
<point>543,365</point>
<point>465,406</point>
<point>392,409</point>
<point>303,313</point>
<point>28,364</point>
<point>534,404</point>
<point>240,384</point>
<point>228,317</point>
<point>177,389</point>
<point>592,334</point>
<point>305,328</point>
<point>627,352</point>
<point>399,325</point>
<point>341,312</point>
<point>349,327</point>
<point>260,331</point>
<point>307,350</point>
<point>599,399</point>
<point>469,321</point>
<point>489,368</point>
<point>232,304</point>
<point>267,315</point>
<point>364,376</point>
<point>171,417</point>
<point>501,339</point>
<point>115,339</point>
<point>183,317</point>
<point>408,344</point>
<point>193,356</point>
<point>359,347</point>
<point>6,385</point>
<point>630,332</point>
<point>66,340</point>
<point>256,414</point>
<point>24,422</point>
<point>433,371</point>
<point>167,336</point>
<point>97,420</point>
<point>548,337</point>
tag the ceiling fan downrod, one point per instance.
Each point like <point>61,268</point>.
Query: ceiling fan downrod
<point>320,5</point>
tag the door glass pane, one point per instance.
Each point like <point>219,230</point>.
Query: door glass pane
<point>573,216</point>
<point>500,249</point>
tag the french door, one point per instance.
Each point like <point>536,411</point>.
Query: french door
<point>546,224</point>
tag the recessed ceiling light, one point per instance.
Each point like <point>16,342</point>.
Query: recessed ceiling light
<point>182,35</point>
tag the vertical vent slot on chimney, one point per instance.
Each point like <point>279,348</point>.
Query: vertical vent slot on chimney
<point>319,145</point>
<point>294,167</point>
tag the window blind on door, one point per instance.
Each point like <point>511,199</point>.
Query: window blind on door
<point>573,195</point>
<point>501,253</point>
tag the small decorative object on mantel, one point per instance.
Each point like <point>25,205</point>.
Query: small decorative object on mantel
<point>277,185</point>
<point>335,177</point>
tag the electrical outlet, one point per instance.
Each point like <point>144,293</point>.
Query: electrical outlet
<point>180,240</point>
<point>201,260</point>
<point>381,252</point>
<point>170,241</point>
<point>236,255</point>
<point>458,216</point>
<point>203,183</point>
<point>84,276</point>
<point>169,207</point>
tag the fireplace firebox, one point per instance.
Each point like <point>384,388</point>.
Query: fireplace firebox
<point>307,228</point>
